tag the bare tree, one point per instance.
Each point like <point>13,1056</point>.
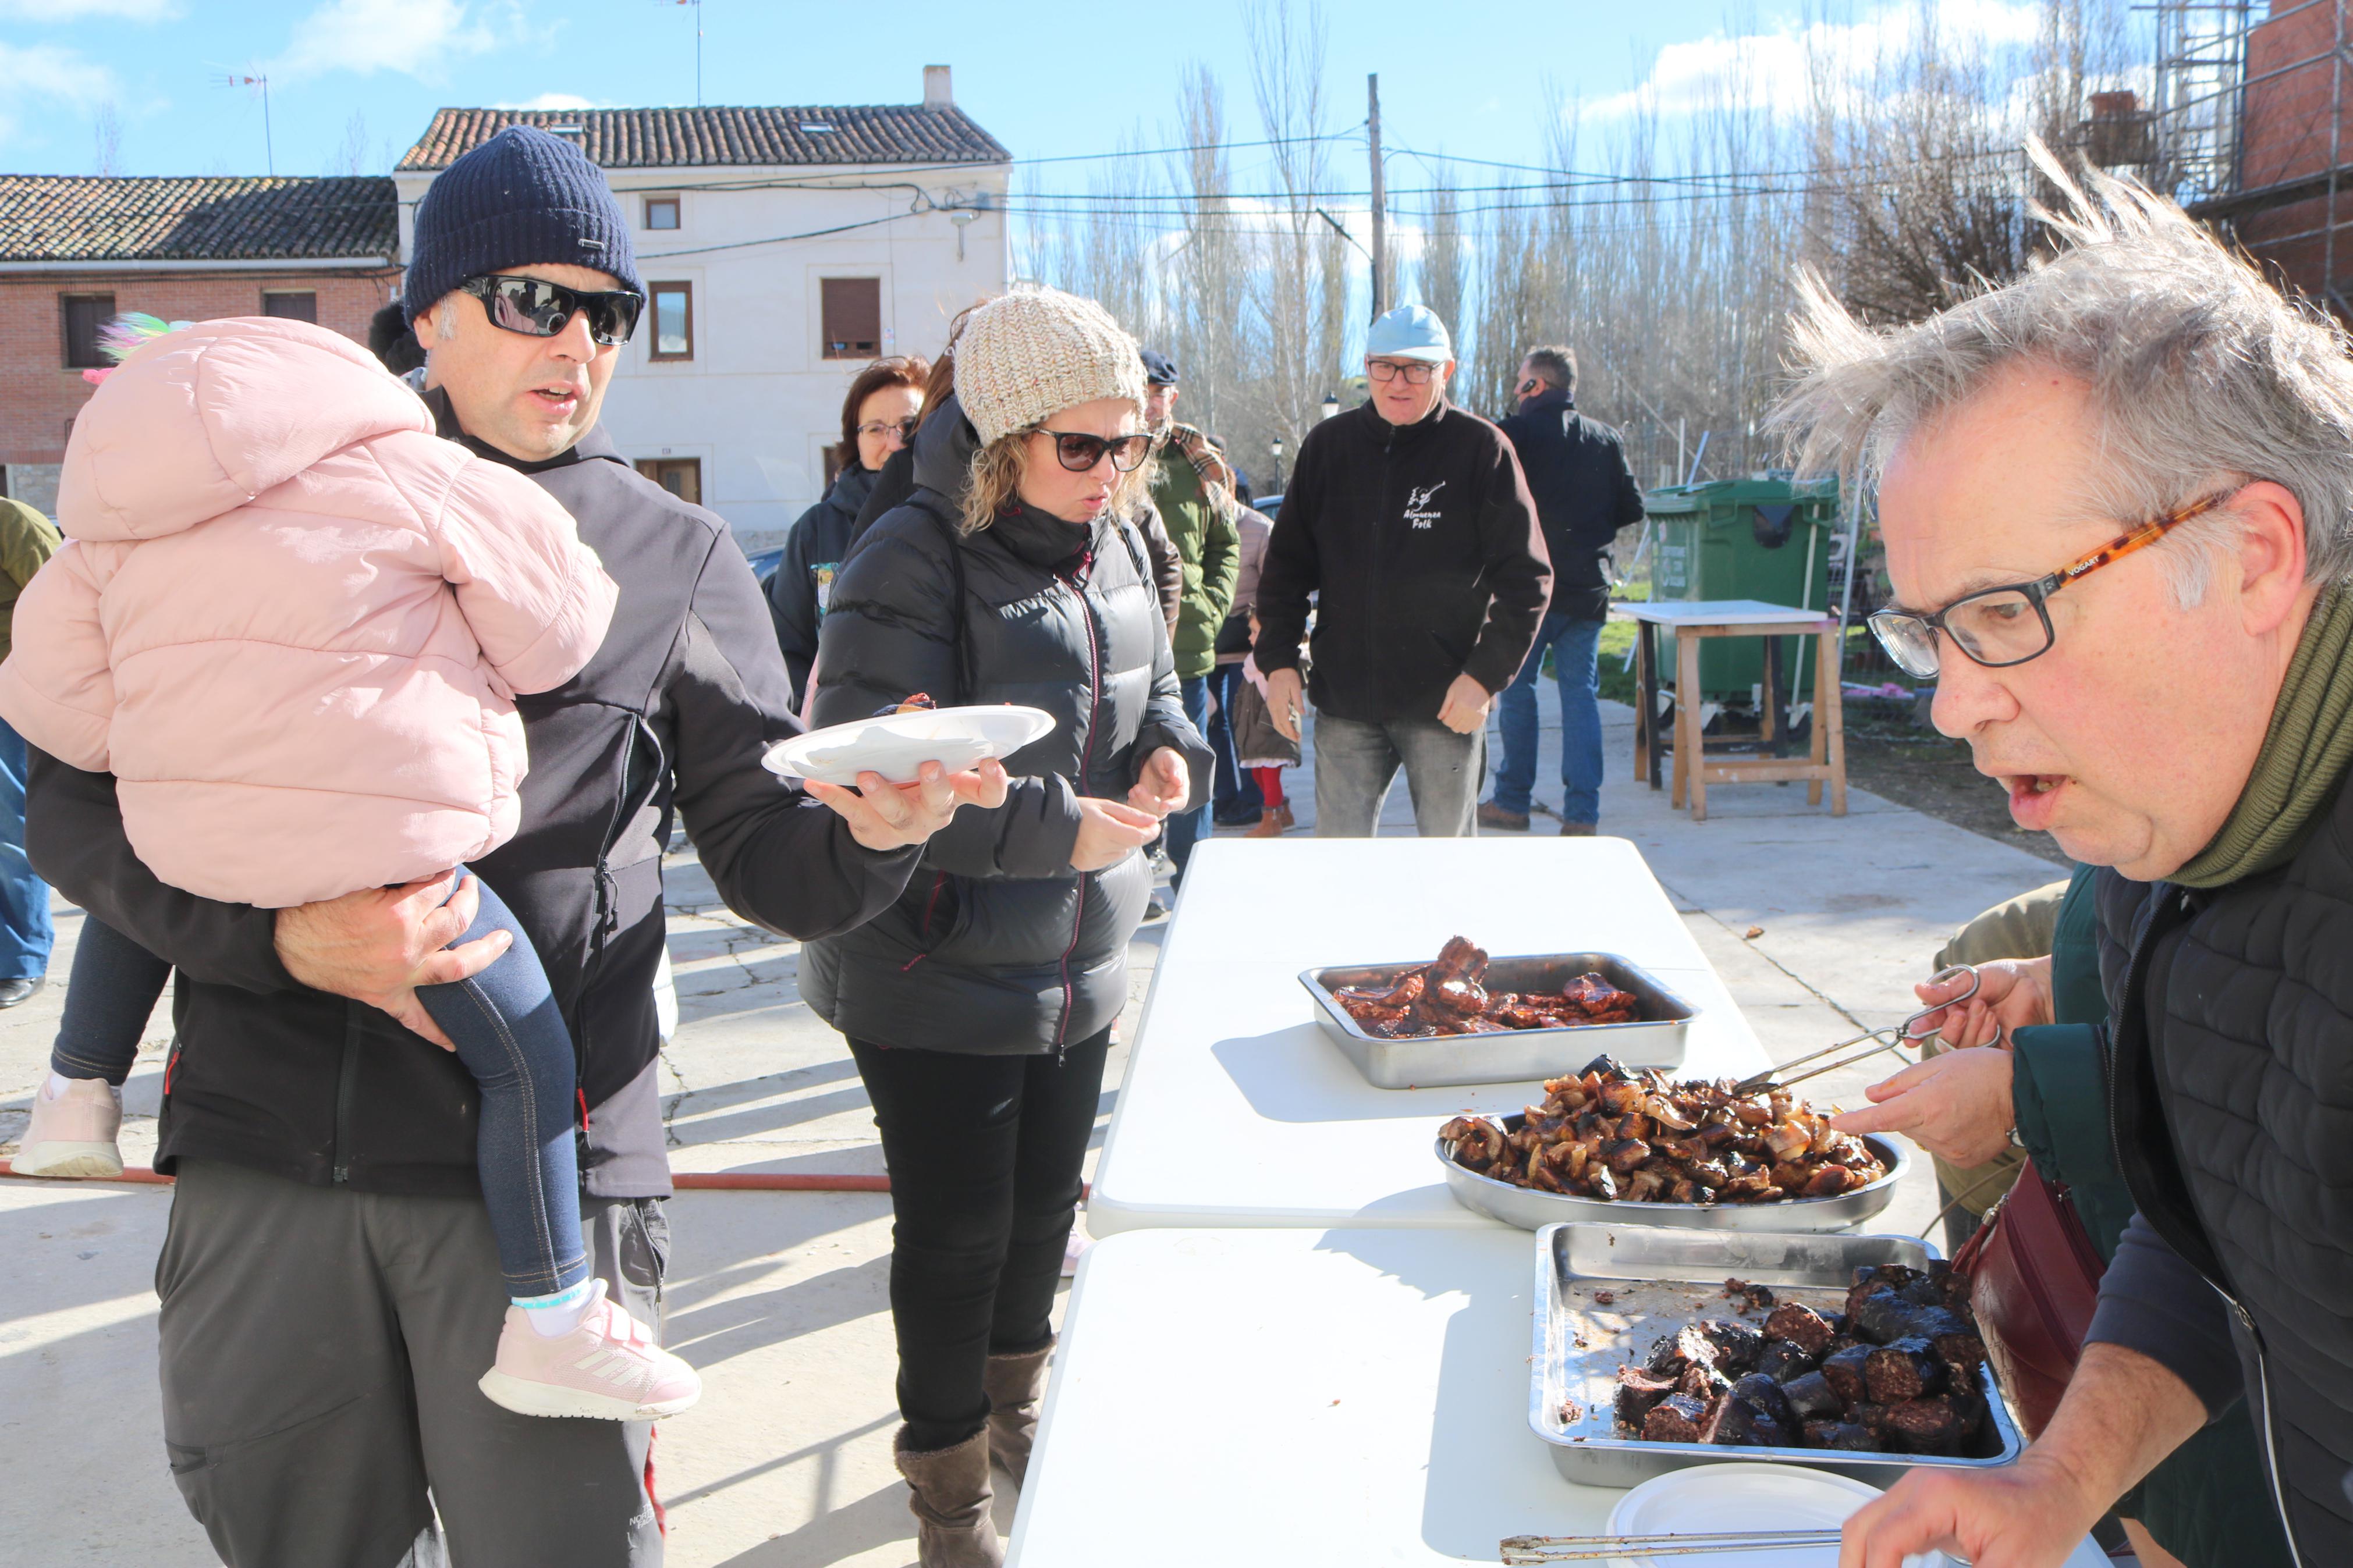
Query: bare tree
<point>106,126</point>
<point>1442,275</point>
<point>351,157</point>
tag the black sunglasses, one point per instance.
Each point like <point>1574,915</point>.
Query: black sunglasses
<point>538,309</point>
<point>1079,453</point>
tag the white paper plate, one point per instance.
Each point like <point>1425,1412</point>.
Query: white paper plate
<point>1711,1498</point>
<point>898,744</point>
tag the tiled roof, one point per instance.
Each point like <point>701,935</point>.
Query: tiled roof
<point>700,138</point>
<point>71,217</point>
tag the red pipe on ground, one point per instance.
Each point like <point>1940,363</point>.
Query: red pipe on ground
<point>684,1181</point>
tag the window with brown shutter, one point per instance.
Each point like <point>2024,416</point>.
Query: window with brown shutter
<point>852,309</point>
<point>662,212</point>
<point>294,305</point>
<point>82,315</point>
<point>682,476</point>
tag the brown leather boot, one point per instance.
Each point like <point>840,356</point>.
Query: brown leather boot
<point>1272,823</point>
<point>950,1500</point>
<point>1014,1383</point>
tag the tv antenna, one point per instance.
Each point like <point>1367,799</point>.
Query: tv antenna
<point>697,47</point>
<point>255,82</point>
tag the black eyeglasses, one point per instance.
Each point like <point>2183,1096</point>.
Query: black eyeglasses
<point>1079,453</point>
<point>538,309</point>
<point>1998,627</point>
<point>1417,373</point>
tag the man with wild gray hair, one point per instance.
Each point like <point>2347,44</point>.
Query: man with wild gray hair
<point>2114,495</point>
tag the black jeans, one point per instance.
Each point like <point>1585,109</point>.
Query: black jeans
<point>984,1155</point>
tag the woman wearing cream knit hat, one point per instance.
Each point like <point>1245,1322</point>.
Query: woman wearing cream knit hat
<point>979,1007</point>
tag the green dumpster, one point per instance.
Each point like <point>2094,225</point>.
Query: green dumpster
<point>1765,539</point>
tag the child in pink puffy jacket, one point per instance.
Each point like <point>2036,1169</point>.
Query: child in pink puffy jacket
<point>290,620</point>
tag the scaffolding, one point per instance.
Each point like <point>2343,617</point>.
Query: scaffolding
<point>2249,111</point>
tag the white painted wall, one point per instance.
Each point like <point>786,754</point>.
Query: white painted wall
<point>757,404</point>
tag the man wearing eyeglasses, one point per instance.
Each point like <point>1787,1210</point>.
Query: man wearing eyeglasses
<point>2114,495</point>
<point>330,1289</point>
<point>1584,492</point>
<point>1410,521</point>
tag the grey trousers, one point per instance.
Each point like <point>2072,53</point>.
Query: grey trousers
<point>321,1349</point>
<point>1355,763</point>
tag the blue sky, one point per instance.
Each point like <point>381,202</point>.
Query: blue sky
<point>1468,77</point>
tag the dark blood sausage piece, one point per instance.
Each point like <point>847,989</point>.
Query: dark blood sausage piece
<point>1604,1066</point>
<point>1925,1425</point>
<point>1677,1419</point>
<point>1781,1360</point>
<point>1801,1326</point>
<point>1637,1392</point>
<point>1970,1406</point>
<point>1883,1318</point>
<point>1843,1371</point>
<point>1699,1378</point>
<point>1956,1342</point>
<point>1840,1434</point>
<point>1738,1344</point>
<point>1685,1347</point>
<point>1736,1424</point>
<point>1766,1395</point>
<point>1812,1397</point>
<point>1908,1368</point>
<point>1875,1277</point>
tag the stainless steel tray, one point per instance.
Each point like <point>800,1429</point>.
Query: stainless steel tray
<point>1512,1056</point>
<point>1572,1259</point>
<point>1533,1209</point>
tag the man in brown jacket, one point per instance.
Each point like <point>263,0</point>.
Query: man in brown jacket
<point>26,539</point>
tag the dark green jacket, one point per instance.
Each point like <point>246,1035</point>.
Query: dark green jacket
<point>27,540</point>
<point>1210,547</point>
<point>2208,1503</point>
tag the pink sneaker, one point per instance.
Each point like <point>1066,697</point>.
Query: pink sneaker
<point>607,1369</point>
<point>72,1133</point>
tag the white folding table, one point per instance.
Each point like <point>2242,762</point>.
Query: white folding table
<point>1356,1396</point>
<point>1237,1110</point>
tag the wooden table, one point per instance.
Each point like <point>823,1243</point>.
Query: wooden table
<point>1238,1110</point>
<point>1695,622</point>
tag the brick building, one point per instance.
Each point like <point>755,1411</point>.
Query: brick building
<point>76,251</point>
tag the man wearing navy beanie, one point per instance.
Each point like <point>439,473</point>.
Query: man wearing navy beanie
<point>331,1292</point>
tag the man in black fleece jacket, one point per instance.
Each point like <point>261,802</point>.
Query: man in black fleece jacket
<point>1410,521</point>
<point>330,1289</point>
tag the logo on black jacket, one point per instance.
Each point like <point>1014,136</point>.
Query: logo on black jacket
<point>1417,510</point>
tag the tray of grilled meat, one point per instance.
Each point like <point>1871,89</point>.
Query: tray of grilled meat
<point>1469,1018</point>
<point>1660,1349</point>
<point>1615,1144</point>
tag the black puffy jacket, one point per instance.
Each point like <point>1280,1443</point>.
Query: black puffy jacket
<point>998,947</point>
<point>814,552</point>
<point>1584,492</point>
<point>2232,1103</point>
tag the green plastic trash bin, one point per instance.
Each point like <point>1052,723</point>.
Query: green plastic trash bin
<point>1744,538</point>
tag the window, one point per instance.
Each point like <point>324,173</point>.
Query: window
<point>853,307</point>
<point>295,305</point>
<point>662,212</point>
<point>682,476</point>
<point>673,320</point>
<point>83,315</point>
<point>832,466</point>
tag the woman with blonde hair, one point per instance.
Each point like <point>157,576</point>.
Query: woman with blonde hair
<point>979,1007</point>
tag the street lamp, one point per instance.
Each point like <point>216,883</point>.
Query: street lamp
<point>1331,404</point>
<point>1278,464</point>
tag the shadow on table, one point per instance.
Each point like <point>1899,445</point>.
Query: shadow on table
<point>1474,1493</point>
<point>1297,1074</point>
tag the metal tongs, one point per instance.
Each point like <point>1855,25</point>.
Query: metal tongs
<point>1527,1548</point>
<point>1885,1040</point>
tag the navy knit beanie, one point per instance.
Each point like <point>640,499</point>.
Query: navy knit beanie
<point>523,198</point>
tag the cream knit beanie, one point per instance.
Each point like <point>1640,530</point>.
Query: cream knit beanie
<point>1032,352</point>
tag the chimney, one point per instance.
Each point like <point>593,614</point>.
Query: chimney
<point>937,92</point>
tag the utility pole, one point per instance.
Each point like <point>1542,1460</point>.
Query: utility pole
<point>1380,198</point>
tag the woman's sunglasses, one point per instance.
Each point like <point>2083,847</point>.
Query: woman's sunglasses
<point>1079,453</point>
<point>538,309</point>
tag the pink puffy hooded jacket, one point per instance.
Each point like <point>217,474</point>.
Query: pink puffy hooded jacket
<point>289,618</point>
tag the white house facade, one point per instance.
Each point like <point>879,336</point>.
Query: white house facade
<point>784,249</point>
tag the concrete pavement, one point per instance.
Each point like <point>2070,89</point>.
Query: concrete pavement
<point>780,1297</point>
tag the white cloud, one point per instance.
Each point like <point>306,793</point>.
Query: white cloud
<point>1770,69</point>
<point>75,10</point>
<point>415,37</point>
<point>43,79</point>
<point>547,101</point>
